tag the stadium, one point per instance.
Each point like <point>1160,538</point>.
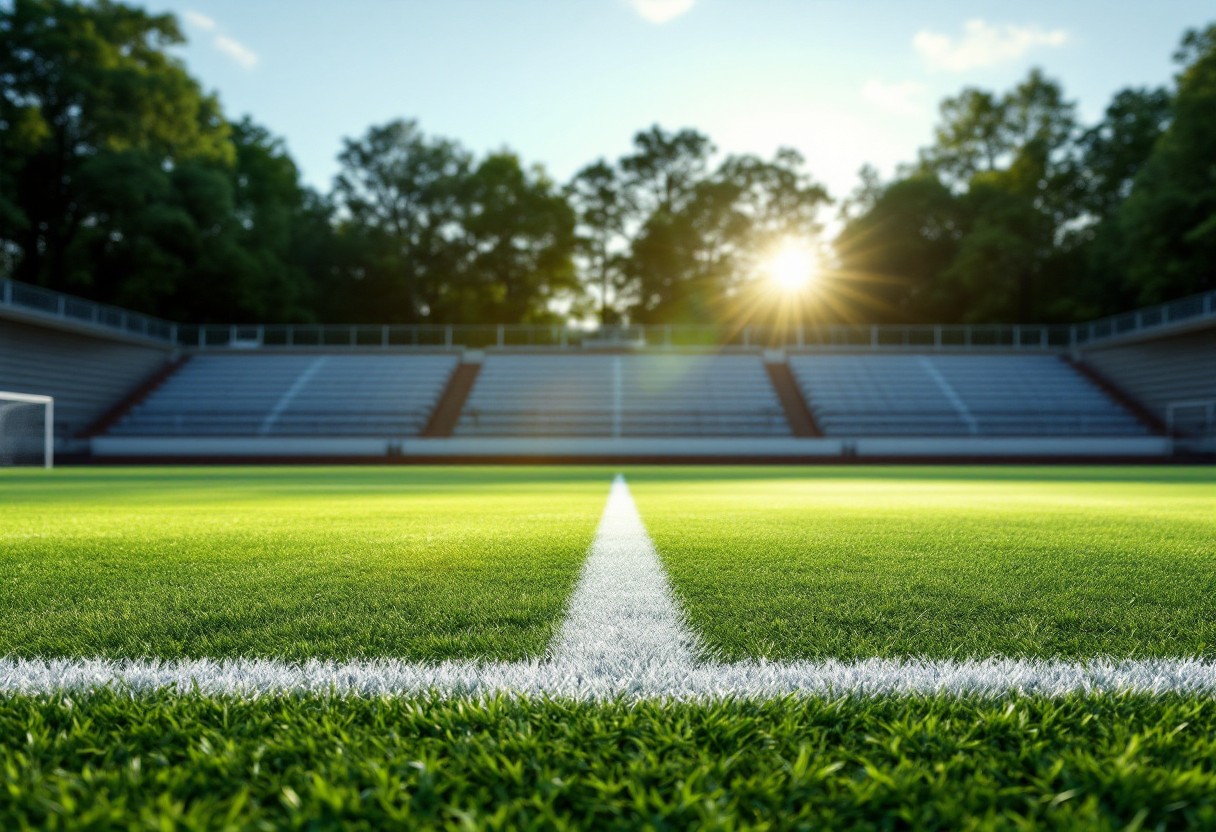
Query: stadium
<point>586,536</point>
<point>1140,386</point>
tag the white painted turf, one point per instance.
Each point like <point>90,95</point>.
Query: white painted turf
<point>624,635</point>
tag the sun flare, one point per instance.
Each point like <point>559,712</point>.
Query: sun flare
<point>792,266</point>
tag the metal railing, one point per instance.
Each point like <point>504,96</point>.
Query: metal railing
<point>659,336</point>
<point>1191,308</point>
<point>47,302</point>
<point>893,337</point>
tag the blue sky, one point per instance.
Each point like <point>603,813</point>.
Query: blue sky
<point>563,82</point>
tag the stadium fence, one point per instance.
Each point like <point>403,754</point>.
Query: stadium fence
<point>46,303</point>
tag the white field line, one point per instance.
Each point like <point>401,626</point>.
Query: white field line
<point>623,636</point>
<point>871,677</point>
<point>622,619</point>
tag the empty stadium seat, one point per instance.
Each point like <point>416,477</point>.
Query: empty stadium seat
<point>622,395</point>
<point>294,395</point>
<point>86,375</point>
<point>956,395</point>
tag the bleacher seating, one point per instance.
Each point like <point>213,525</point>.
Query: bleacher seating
<point>294,395</point>
<point>1162,372</point>
<point>86,375</point>
<point>623,395</point>
<point>956,395</point>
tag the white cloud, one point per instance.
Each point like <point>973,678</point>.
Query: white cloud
<point>897,98</point>
<point>231,47</point>
<point>661,11</point>
<point>236,50</point>
<point>200,21</point>
<point>984,44</point>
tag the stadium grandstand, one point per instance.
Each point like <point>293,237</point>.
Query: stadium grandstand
<point>129,386</point>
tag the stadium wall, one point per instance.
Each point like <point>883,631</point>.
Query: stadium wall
<point>1160,369</point>
<point>593,449</point>
<point>86,373</point>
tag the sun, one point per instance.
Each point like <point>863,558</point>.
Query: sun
<point>792,267</point>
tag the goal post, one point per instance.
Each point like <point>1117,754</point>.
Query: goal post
<point>27,429</point>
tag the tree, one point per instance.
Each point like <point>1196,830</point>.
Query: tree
<point>996,272</point>
<point>971,233</point>
<point>603,209</point>
<point>973,136</point>
<point>1113,151</point>
<point>1108,156</point>
<point>431,234</point>
<point>97,124</point>
<point>893,253</point>
<point>697,263</point>
<point>399,198</point>
<point>981,132</point>
<point>665,168</point>
<point>1168,221</point>
<point>251,268</point>
<point>518,244</point>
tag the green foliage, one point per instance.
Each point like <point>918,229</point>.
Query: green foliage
<point>434,235</point>
<point>107,761</point>
<point>123,182</point>
<point>419,563</point>
<point>895,249</point>
<point>91,99</point>
<point>1015,214</point>
<point>665,238</point>
<point>944,563</point>
<point>1114,150</point>
<point>971,234</point>
<point>1168,223</point>
<point>399,192</point>
<point>700,236</point>
<point>603,208</point>
<point>518,238</point>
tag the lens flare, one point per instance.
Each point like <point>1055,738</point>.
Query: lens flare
<point>792,267</point>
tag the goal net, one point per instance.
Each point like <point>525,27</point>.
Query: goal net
<point>27,430</point>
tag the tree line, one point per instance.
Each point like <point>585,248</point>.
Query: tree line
<point>123,181</point>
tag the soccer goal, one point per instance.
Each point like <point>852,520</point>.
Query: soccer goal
<point>27,430</point>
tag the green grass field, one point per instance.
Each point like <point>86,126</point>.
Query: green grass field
<point>941,562</point>
<point>294,563</point>
<point>105,762</point>
<point>435,563</point>
<point>432,563</point>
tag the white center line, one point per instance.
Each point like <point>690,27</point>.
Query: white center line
<point>622,616</point>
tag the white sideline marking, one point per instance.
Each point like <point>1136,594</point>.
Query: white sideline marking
<point>871,677</point>
<point>623,635</point>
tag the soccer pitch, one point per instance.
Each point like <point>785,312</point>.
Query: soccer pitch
<point>694,645</point>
